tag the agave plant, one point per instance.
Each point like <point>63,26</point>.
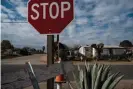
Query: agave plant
<point>96,77</point>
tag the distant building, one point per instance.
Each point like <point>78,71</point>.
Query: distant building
<point>113,50</point>
<point>108,51</point>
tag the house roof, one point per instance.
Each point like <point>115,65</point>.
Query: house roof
<point>114,47</point>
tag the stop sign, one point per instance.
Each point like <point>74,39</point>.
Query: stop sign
<point>50,16</point>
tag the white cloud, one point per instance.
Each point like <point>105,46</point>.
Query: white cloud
<point>22,11</point>
<point>6,9</point>
<point>108,9</point>
<point>22,34</point>
<point>108,23</point>
<point>81,21</point>
<point>79,12</point>
<point>20,8</point>
<point>16,3</point>
<point>4,16</point>
<point>71,30</point>
<point>129,23</point>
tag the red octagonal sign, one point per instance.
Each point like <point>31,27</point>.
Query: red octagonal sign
<point>50,16</point>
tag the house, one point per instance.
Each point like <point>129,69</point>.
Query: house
<point>115,52</point>
<point>108,51</point>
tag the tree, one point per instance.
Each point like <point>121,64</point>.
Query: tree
<point>61,46</point>
<point>43,48</point>
<point>125,43</point>
<point>99,49</point>
<point>5,44</point>
<point>94,46</point>
<point>62,50</point>
<point>76,47</point>
<point>24,51</point>
<point>33,50</point>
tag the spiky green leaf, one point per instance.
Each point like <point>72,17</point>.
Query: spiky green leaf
<point>78,68</point>
<point>105,73</point>
<point>97,82</point>
<point>86,81</point>
<point>77,79</point>
<point>107,82</point>
<point>115,76</point>
<point>115,82</point>
<point>81,78</point>
<point>87,66</point>
<point>93,75</point>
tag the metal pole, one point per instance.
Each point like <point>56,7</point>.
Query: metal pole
<point>50,58</point>
<point>57,38</point>
<point>58,47</point>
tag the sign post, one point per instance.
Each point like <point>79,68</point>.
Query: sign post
<point>58,46</point>
<point>50,58</point>
<point>50,17</point>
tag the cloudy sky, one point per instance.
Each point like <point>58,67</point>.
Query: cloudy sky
<point>107,21</point>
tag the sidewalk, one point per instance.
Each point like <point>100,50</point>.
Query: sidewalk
<point>123,84</point>
<point>44,60</point>
<point>105,62</point>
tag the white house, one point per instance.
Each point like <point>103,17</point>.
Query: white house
<point>107,50</point>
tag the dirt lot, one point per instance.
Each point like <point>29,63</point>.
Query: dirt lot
<point>34,59</point>
<point>42,59</point>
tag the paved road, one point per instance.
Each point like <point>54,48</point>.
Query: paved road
<point>11,71</point>
<point>14,77</point>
